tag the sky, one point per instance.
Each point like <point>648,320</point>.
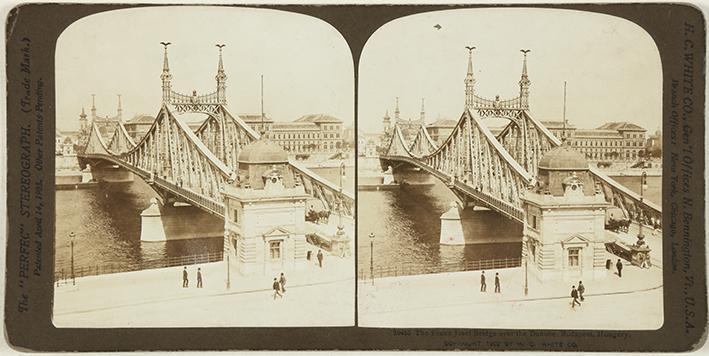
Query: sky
<point>611,66</point>
<point>307,65</point>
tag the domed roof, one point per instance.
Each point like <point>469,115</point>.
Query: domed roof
<point>263,151</point>
<point>563,158</point>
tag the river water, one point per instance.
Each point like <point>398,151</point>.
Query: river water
<point>406,223</point>
<point>106,221</point>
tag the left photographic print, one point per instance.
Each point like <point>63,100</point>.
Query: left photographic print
<point>204,170</point>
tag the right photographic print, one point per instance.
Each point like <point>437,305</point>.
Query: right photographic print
<point>510,172</point>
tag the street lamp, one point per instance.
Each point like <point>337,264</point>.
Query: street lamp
<point>371,256</point>
<point>643,186</point>
<point>73,277</point>
<point>526,254</point>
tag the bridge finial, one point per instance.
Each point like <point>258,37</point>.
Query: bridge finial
<point>93,106</point>
<point>396,110</point>
<point>221,77</point>
<point>469,80</point>
<point>165,76</point>
<point>120,110</point>
<point>165,64</point>
<point>524,81</point>
<point>422,116</point>
<point>524,62</point>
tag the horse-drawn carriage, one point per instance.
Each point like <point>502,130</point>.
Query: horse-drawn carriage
<point>637,253</point>
<point>616,220</point>
<point>317,217</point>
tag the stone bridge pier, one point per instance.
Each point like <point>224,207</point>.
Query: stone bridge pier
<point>408,174</point>
<point>103,171</point>
<point>177,221</point>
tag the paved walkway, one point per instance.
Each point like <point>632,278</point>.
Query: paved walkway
<point>164,284</point>
<point>412,301</point>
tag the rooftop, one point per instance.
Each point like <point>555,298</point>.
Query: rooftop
<point>263,151</point>
<point>319,119</point>
<point>443,123</point>
<point>563,158</point>
<point>621,126</point>
<point>255,118</point>
<point>141,119</point>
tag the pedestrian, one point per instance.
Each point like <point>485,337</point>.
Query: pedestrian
<point>483,286</point>
<point>320,257</point>
<point>185,280</point>
<point>497,283</point>
<point>575,296</point>
<point>282,281</point>
<point>581,289</point>
<point>619,266</point>
<point>276,289</point>
<point>199,278</point>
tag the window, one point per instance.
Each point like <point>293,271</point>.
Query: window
<point>236,216</point>
<point>574,254</point>
<point>534,222</point>
<point>275,249</point>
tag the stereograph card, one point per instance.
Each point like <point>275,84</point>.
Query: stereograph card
<point>385,177</point>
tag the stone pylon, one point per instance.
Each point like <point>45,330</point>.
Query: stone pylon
<point>452,227</point>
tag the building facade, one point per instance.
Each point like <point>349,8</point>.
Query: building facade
<point>138,126</point>
<point>440,129</point>
<point>564,232</point>
<point>265,213</point>
<point>309,134</point>
<point>610,142</point>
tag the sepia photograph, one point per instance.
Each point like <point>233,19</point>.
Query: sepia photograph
<point>510,172</point>
<point>204,170</point>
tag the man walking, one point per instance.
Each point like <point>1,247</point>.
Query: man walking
<point>575,296</point>
<point>320,257</point>
<point>581,289</point>
<point>185,280</point>
<point>199,278</point>
<point>497,283</point>
<point>619,266</point>
<point>483,286</point>
<point>282,281</point>
<point>276,289</point>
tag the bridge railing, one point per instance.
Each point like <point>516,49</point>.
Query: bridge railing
<point>193,198</point>
<point>64,275</point>
<point>410,269</point>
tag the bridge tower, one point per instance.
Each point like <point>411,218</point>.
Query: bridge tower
<point>397,113</point>
<point>221,79</point>
<point>166,77</point>
<point>564,227</point>
<point>422,115</point>
<point>83,122</point>
<point>93,107</point>
<point>387,123</point>
<point>119,110</point>
<point>469,82</point>
<point>524,83</point>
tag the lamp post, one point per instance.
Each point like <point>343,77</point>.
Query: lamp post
<point>371,256</point>
<point>342,241</point>
<point>643,185</point>
<point>526,268</point>
<point>73,277</point>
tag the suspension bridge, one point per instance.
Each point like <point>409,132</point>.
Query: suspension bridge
<point>490,170</point>
<point>194,167</point>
